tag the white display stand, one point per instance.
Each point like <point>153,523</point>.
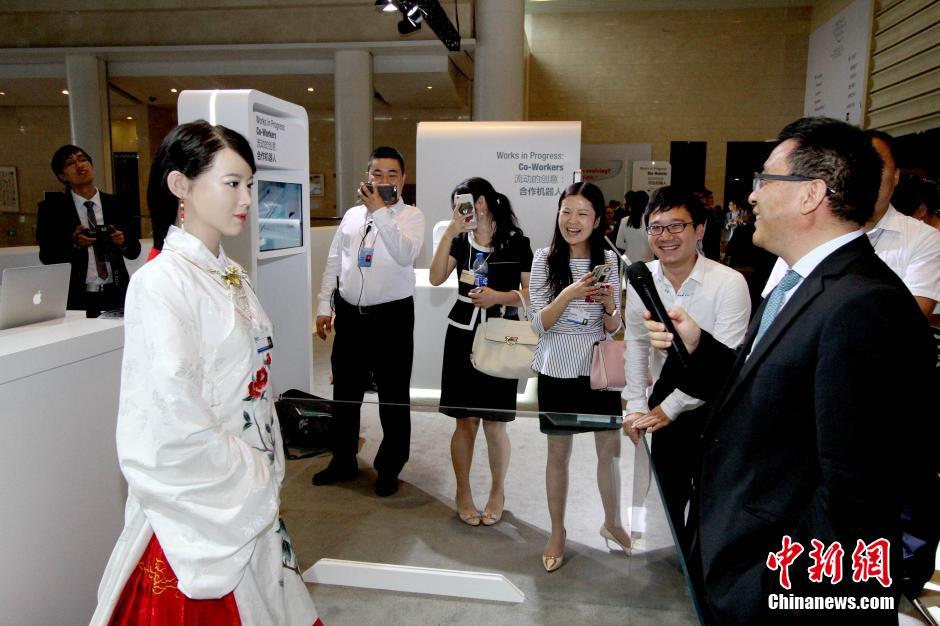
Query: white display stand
<point>408,579</point>
<point>62,493</point>
<point>277,132</point>
<point>531,163</point>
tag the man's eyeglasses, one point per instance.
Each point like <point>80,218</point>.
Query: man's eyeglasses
<point>675,228</point>
<point>760,178</point>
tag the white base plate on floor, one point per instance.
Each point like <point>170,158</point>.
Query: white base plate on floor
<point>439,582</point>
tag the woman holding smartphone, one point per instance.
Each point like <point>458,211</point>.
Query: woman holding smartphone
<point>197,437</point>
<point>571,311</point>
<point>487,229</point>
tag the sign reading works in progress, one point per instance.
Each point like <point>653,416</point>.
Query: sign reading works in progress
<point>650,175</point>
<point>277,140</point>
<point>530,162</point>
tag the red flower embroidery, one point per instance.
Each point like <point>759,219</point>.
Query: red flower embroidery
<point>267,359</point>
<point>256,386</point>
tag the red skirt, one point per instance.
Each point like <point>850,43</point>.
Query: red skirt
<point>151,598</point>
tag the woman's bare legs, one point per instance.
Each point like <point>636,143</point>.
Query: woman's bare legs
<point>461,454</point>
<point>607,444</point>
<point>499,450</point>
<point>556,486</point>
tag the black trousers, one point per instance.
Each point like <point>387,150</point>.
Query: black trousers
<point>379,339</point>
<point>109,298</point>
<point>677,453</point>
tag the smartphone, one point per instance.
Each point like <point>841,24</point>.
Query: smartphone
<point>463,203</point>
<point>389,192</point>
<point>601,273</point>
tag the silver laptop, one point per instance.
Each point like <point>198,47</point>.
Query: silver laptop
<point>33,294</point>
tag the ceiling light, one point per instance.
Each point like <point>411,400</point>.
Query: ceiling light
<point>430,87</point>
<point>3,93</point>
<point>65,92</point>
<point>310,89</point>
<point>173,90</point>
<point>130,117</point>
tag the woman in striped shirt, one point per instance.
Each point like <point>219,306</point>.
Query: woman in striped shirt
<point>571,311</point>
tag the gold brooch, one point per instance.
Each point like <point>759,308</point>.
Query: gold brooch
<point>233,276</point>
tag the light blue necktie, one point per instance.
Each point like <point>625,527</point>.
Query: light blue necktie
<point>774,302</point>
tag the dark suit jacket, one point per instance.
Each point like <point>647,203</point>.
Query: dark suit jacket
<point>55,223</point>
<point>817,435</point>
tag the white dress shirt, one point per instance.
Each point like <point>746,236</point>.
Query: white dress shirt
<point>91,275</point>
<point>396,234</point>
<point>906,245</point>
<point>715,295</point>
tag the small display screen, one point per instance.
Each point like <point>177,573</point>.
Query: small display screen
<point>280,215</point>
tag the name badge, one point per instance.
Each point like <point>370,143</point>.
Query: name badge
<point>580,318</point>
<point>263,344</point>
<point>466,277</point>
<point>365,256</point>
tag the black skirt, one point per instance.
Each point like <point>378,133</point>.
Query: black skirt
<point>574,396</point>
<point>466,392</point>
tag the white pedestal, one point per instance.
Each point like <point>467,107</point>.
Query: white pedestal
<point>62,493</point>
<point>426,580</point>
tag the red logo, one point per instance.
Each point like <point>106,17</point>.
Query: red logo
<point>783,559</point>
<point>872,561</point>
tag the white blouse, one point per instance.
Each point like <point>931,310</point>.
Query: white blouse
<point>198,440</point>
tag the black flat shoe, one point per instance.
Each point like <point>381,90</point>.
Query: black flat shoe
<point>385,487</point>
<point>333,474</point>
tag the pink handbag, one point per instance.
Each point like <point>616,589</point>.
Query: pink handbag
<point>607,365</point>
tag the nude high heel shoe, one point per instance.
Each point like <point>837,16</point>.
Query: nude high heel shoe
<point>551,563</point>
<point>609,536</point>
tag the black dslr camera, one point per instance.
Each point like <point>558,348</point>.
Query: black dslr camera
<point>101,234</point>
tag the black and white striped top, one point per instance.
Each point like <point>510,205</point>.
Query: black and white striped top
<point>564,351</point>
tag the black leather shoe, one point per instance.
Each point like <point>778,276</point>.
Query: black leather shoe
<point>333,474</point>
<point>385,487</point>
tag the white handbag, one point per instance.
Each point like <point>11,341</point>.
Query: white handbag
<point>504,348</point>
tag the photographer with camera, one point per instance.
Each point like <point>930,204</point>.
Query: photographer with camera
<point>90,230</point>
<point>369,284</point>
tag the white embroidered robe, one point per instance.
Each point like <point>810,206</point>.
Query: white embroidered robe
<point>199,443</point>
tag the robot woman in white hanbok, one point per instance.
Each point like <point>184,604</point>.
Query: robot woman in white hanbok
<point>197,437</point>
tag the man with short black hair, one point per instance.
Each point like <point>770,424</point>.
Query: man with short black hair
<point>89,229</point>
<point>369,283</point>
<point>794,451</point>
<point>717,297</point>
<point>908,246</point>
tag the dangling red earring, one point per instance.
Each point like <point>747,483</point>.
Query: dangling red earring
<point>182,213</point>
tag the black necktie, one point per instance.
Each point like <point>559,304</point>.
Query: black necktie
<point>100,264</point>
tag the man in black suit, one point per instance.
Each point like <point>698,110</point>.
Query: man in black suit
<point>90,230</point>
<point>799,447</point>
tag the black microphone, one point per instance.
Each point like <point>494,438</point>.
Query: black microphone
<point>642,281</point>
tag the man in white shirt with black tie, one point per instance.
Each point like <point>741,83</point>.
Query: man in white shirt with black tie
<point>369,284</point>
<point>92,230</point>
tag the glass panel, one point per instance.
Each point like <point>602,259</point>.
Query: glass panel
<point>419,525</point>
